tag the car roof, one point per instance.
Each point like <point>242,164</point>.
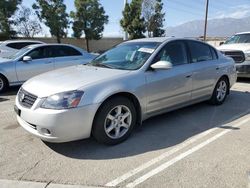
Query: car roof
<point>51,44</point>
<point>246,32</point>
<point>154,39</point>
<point>15,41</point>
<point>161,39</point>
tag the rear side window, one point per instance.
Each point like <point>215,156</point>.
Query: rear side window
<point>20,45</point>
<point>62,51</point>
<point>214,53</point>
<point>199,52</point>
<point>174,52</point>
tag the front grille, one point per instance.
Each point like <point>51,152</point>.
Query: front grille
<point>26,99</point>
<point>237,55</point>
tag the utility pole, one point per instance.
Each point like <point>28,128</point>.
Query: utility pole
<point>205,28</point>
<point>125,37</point>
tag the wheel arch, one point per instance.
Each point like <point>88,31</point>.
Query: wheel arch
<point>6,79</point>
<point>132,98</point>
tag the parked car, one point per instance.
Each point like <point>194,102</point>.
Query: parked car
<point>121,88</point>
<point>10,47</point>
<point>36,59</point>
<point>238,47</point>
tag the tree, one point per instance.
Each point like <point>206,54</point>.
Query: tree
<point>89,19</point>
<point>156,22</point>
<point>53,14</point>
<point>148,9</point>
<point>27,25</point>
<point>7,10</point>
<point>132,21</point>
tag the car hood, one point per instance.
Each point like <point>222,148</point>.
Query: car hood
<point>70,78</point>
<point>227,47</point>
<point>4,60</point>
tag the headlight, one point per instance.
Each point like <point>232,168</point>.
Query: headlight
<point>65,100</point>
<point>247,55</point>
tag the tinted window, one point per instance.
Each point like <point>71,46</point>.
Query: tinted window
<point>173,52</point>
<point>62,51</point>
<point>214,53</point>
<point>20,45</point>
<point>38,53</point>
<point>199,52</point>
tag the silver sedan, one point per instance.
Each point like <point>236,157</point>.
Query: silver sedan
<point>122,87</point>
<point>36,59</point>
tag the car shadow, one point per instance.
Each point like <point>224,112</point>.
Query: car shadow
<point>243,80</point>
<point>162,131</point>
<point>12,91</point>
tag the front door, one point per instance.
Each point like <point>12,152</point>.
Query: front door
<point>167,88</point>
<point>40,62</point>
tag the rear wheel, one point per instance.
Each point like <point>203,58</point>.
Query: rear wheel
<point>114,121</point>
<point>221,91</point>
<point>3,84</point>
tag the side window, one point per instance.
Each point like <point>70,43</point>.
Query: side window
<point>72,51</point>
<point>64,51</point>
<point>38,53</point>
<point>214,53</point>
<point>199,52</point>
<point>174,52</point>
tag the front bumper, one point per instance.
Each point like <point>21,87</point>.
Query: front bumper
<point>243,69</point>
<point>57,125</point>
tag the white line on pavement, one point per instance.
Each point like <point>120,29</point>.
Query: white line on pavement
<point>181,156</point>
<point>166,154</point>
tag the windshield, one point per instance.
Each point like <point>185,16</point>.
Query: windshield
<point>19,53</point>
<point>127,56</point>
<point>242,38</point>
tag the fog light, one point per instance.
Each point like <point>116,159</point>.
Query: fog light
<point>45,131</point>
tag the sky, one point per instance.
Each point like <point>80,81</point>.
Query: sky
<point>176,12</point>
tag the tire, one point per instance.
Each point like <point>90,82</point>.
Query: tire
<point>3,84</point>
<point>220,92</point>
<point>114,121</point>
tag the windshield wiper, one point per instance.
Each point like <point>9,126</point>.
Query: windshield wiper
<point>103,65</point>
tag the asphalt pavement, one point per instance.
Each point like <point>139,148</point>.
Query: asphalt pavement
<point>197,146</point>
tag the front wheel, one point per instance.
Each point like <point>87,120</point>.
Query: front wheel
<point>220,92</point>
<point>114,121</point>
<point>3,84</point>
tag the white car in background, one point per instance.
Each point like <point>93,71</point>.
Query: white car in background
<point>36,59</point>
<point>238,47</point>
<point>10,47</point>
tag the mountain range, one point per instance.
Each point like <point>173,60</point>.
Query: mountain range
<point>223,27</point>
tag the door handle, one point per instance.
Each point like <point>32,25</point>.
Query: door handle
<point>217,68</point>
<point>49,62</point>
<point>189,76</point>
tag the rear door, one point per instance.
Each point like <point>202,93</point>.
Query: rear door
<point>41,62</point>
<point>66,56</point>
<point>205,65</point>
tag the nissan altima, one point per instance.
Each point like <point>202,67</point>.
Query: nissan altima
<point>122,87</point>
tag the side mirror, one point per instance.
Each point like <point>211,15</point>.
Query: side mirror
<point>162,65</point>
<point>27,58</point>
<point>221,43</point>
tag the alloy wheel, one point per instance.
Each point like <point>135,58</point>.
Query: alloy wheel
<point>1,84</point>
<point>118,122</point>
<point>221,90</point>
